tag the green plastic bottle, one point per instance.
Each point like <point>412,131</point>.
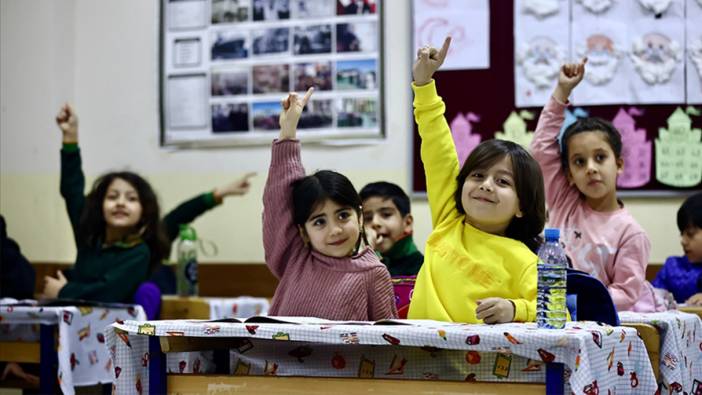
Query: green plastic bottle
<point>187,262</point>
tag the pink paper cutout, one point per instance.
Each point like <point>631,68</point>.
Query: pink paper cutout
<point>464,141</point>
<point>636,151</point>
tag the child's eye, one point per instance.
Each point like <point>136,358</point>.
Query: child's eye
<point>319,222</point>
<point>344,215</point>
<point>578,162</point>
<point>600,157</point>
<point>476,175</point>
<point>504,181</point>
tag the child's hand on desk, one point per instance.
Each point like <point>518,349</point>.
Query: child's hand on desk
<point>429,60</point>
<point>238,187</point>
<point>495,310</point>
<point>15,369</point>
<point>52,286</point>
<point>67,121</point>
<point>695,300</point>
<point>290,115</point>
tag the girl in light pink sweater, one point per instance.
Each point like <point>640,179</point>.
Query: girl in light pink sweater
<point>600,235</point>
<point>313,240</point>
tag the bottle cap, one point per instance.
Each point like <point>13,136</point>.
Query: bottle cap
<point>187,232</point>
<point>552,234</point>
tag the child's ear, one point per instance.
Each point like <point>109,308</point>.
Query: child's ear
<point>303,235</point>
<point>407,223</point>
<point>620,165</point>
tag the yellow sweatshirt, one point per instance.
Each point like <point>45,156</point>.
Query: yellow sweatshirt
<point>461,263</point>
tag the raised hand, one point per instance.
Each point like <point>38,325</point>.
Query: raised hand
<point>237,187</point>
<point>495,310</point>
<point>291,112</point>
<point>429,59</point>
<point>373,238</point>
<point>570,76</point>
<point>67,121</point>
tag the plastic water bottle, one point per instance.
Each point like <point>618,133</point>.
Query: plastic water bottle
<point>551,292</point>
<point>186,276</point>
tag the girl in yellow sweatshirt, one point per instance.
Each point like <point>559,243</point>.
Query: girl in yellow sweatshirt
<point>479,264</point>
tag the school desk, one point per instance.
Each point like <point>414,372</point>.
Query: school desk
<point>81,358</point>
<point>333,355</point>
<point>195,307</point>
<point>680,350</point>
<point>692,310</point>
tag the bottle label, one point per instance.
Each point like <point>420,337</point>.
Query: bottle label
<point>191,271</point>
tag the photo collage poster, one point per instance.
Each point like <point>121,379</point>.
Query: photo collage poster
<point>226,65</point>
<point>639,51</point>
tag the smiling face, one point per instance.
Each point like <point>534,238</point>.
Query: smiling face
<point>121,207</point>
<point>489,197</point>
<point>382,215</point>
<point>593,169</point>
<point>332,229</point>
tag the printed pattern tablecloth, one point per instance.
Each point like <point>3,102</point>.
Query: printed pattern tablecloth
<point>681,349</point>
<point>83,358</point>
<point>599,358</point>
<point>239,307</point>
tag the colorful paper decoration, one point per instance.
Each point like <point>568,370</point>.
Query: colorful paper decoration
<point>570,118</point>
<point>463,139</point>
<point>636,150</point>
<point>515,129</point>
<point>679,151</point>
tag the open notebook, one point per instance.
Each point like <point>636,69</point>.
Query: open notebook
<point>322,321</point>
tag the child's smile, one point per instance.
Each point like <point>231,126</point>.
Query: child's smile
<point>489,197</point>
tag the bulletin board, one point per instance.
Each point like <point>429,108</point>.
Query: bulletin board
<point>491,94</point>
<point>226,64</point>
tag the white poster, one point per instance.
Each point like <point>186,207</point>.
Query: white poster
<point>187,52</point>
<point>693,56</point>
<point>602,38</point>
<point>542,42</point>
<point>186,104</point>
<point>656,53</point>
<point>466,21</point>
<point>187,14</point>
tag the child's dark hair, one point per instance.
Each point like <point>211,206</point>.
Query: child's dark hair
<point>690,213</point>
<point>528,183</point>
<point>310,191</point>
<point>591,124</point>
<point>92,225</point>
<point>387,190</point>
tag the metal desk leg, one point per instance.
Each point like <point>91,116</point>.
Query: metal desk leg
<point>554,379</point>
<point>221,361</point>
<point>157,367</point>
<point>48,365</point>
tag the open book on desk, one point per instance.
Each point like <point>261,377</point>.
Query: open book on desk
<point>322,321</point>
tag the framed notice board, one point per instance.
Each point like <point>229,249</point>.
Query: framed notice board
<point>226,64</point>
<point>490,94</point>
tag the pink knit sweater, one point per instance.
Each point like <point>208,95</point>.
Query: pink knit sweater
<point>313,284</point>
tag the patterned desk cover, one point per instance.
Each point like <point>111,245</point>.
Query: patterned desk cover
<point>82,357</point>
<point>597,358</point>
<point>681,349</point>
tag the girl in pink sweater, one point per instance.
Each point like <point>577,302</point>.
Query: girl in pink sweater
<point>600,235</point>
<point>312,238</point>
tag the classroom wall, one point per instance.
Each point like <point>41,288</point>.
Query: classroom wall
<point>102,56</point>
